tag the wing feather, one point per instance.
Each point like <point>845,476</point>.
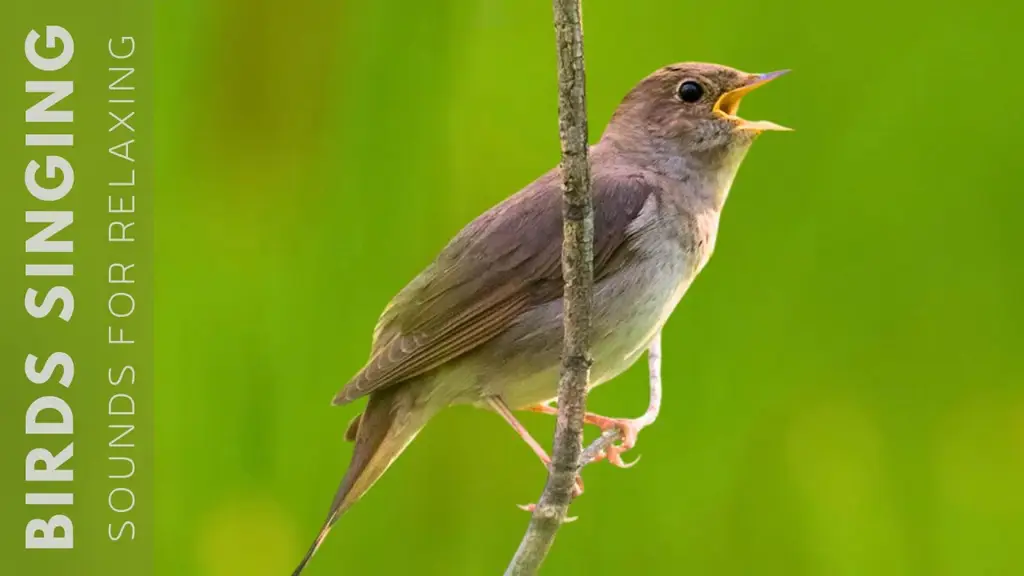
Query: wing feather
<point>497,267</point>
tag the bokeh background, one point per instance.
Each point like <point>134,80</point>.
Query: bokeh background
<point>844,384</point>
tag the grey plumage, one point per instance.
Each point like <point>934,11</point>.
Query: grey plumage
<point>484,319</point>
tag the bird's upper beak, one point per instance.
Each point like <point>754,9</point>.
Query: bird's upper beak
<point>729,103</point>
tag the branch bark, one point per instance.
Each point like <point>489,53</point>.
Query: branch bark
<point>578,273</point>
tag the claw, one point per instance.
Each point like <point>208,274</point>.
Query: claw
<point>544,408</point>
<point>615,459</point>
<point>630,430</point>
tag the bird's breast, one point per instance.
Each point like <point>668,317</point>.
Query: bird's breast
<point>630,306</point>
<point>705,233</point>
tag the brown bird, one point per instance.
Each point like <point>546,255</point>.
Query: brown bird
<point>482,324</point>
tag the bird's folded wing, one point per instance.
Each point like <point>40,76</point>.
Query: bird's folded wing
<point>501,264</point>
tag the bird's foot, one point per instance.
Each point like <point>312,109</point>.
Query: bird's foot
<point>544,408</point>
<point>628,427</point>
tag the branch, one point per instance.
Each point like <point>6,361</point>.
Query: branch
<point>578,272</point>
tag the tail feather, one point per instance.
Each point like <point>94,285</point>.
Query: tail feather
<point>385,429</point>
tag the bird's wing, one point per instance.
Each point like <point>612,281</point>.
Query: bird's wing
<point>501,264</point>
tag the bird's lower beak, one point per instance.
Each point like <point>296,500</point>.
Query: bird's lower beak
<point>729,103</point>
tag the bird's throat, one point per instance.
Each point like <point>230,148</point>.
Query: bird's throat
<point>721,167</point>
<point>706,173</point>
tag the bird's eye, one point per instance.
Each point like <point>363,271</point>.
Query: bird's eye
<point>690,91</point>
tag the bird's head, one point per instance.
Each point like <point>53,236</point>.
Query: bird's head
<point>694,105</point>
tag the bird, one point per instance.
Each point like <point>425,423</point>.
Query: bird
<point>482,324</point>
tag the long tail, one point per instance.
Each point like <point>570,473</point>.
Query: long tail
<point>387,426</point>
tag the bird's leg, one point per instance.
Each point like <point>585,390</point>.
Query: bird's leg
<point>629,427</point>
<point>546,408</point>
<point>501,408</point>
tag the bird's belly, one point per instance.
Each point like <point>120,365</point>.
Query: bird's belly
<point>629,314</point>
<point>629,308</point>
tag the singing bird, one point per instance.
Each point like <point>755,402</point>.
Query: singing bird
<point>482,324</point>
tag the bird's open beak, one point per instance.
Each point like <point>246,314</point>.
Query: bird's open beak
<point>729,103</point>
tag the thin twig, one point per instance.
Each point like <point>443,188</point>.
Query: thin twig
<point>578,274</point>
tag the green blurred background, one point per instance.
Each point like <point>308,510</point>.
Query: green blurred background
<point>844,382</point>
